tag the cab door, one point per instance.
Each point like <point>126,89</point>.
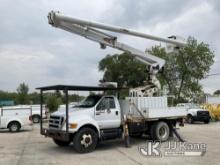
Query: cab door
<point>107,113</point>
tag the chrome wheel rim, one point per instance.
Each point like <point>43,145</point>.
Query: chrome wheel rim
<point>86,140</point>
<point>162,132</point>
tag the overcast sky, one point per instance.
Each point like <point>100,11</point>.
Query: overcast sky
<point>33,52</point>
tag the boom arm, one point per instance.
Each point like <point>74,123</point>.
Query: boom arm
<point>90,31</point>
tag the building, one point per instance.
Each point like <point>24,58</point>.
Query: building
<point>215,99</point>
<point>6,103</point>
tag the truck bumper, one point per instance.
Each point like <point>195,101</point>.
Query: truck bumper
<point>202,116</point>
<point>55,134</point>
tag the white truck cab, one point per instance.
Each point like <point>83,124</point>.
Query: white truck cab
<point>103,112</point>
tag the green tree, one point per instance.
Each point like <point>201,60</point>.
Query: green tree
<point>184,69</point>
<point>22,91</point>
<point>123,69</point>
<point>217,92</point>
<point>53,102</point>
<point>34,98</point>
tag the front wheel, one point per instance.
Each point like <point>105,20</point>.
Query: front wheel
<point>207,121</point>
<point>190,119</point>
<point>85,140</point>
<point>61,143</point>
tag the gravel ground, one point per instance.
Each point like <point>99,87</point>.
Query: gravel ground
<point>29,147</point>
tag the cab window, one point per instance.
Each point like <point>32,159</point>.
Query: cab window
<point>106,103</point>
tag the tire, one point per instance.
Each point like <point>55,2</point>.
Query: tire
<point>14,126</point>
<point>36,119</point>
<point>207,121</point>
<point>61,143</point>
<point>160,131</point>
<point>190,119</point>
<point>85,140</point>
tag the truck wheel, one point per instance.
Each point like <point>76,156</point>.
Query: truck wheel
<point>160,131</point>
<point>85,140</point>
<point>36,119</point>
<point>61,143</point>
<point>14,126</point>
<point>189,119</point>
<point>207,121</point>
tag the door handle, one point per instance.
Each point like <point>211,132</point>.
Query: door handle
<point>116,112</point>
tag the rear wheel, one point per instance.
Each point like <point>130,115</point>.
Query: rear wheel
<point>85,140</point>
<point>160,131</point>
<point>36,119</point>
<point>61,143</point>
<point>14,126</point>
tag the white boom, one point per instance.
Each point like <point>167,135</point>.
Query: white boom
<point>90,31</point>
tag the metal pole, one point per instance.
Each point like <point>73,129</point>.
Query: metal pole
<point>41,109</point>
<point>67,110</point>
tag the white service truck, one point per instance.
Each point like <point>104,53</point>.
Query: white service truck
<point>35,109</point>
<point>36,113</point>
<point>195,113</point>
<point>14,118</point>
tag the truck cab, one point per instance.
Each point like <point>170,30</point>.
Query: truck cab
<point>101,111</point>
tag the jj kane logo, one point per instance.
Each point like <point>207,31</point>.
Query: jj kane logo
<point>154,149</point>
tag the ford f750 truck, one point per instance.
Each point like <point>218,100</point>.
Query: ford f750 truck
<point>101,117</point>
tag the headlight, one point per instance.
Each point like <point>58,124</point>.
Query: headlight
<point>194,113</point>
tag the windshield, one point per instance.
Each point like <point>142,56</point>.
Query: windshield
<point>90,101</point>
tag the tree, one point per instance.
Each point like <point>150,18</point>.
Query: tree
<point>34,98</point>
<point>123,69</point>
<point>217,92</point>
<point>184,69</point>
<point>53,102</point>
<point>181,74</point>
<point>22,91</point>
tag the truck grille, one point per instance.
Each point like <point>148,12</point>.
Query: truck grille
<point>56,122</point>
<point>203,113</point>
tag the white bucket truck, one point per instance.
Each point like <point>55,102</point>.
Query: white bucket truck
<point>102,117</point>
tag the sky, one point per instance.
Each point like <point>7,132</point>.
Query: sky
<point>34,52</point>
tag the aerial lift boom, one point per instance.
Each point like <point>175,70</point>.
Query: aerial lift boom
<point>91,31</point>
